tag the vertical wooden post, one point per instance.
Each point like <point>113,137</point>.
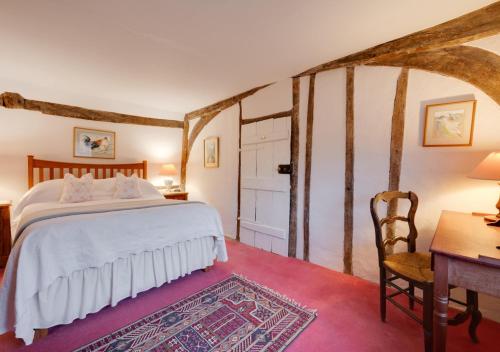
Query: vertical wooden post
<point>185,152</point>
<point>145,169</point>
<point>31,178</point>
<point>294,156</point>
<point>307,178</point>
<point>396,151</point>
<point>240,123</point>
<point>349,171</point>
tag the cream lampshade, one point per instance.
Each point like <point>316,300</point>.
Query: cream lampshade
<point>168,170</point>
<point>489,169</point>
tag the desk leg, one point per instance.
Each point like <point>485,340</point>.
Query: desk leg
<point>440,302</point>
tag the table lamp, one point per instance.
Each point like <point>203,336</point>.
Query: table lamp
<point>489,169</point>
<point>168,170</point>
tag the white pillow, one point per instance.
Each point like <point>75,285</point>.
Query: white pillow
<point>148,190</point>
<point>47,191</point>
<point>127,187</point>
<point>77,190</point>
<point>103,189</point>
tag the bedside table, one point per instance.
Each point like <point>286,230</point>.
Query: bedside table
<point>5,239</point>
<point>176,195</point>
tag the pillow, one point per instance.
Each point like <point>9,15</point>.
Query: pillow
<point>77,190</point>
<point>47,191</point>
<point>148,190</point>
<point>127,187</point>
<point>103,189</point>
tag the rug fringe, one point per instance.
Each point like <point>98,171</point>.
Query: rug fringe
<point>281,296</point>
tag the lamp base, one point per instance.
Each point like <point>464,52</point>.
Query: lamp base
<point>168,183</point>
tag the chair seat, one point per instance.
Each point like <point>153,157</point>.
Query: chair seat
<point>415,266</point>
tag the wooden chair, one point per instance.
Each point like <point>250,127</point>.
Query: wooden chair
<point>413,267</point>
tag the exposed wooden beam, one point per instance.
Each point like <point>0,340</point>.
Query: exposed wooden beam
<point>223,104</point>
<point>307,177</point>
<point>479,67</point>
<point>185,153</point>
<point>472,26</point>
<point>206,115</point>
<point>294,175</point>
<point>16,101</point>
<point>276,115</point>
<point>238,213</point>
<point>349,171</point>
<point>205,120</point>
<point>396,151</point>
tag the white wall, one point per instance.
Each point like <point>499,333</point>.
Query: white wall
<point>437,175</point>
<point>217,186</point>
<point>25,132</point>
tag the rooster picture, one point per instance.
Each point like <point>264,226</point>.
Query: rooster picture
<point>89,143</point>
<point>100,144</point>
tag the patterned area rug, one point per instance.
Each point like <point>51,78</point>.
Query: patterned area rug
<point>232,315</point>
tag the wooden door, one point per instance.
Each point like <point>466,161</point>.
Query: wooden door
<point>265,193</point>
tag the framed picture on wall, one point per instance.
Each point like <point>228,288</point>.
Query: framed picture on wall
<point>211,152</point>
<point>449,124</point>
<point>90,143</point>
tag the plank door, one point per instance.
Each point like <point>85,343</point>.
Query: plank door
<point>265,193</point>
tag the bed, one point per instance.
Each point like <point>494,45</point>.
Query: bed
<point>72,259</point>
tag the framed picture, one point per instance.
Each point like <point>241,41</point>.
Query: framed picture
<point>211,151</point>
<point>449,124</point>
<point>89,143</point>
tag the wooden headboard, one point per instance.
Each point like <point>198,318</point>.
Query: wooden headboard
<point>49,170</point>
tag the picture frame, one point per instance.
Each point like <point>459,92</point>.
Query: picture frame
<point>449,124</point>
<point>211,152</point>
<point>92,143</point>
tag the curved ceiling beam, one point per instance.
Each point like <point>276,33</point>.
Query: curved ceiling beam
<point>475,25</point>
<point>205,120</point>
<point>479,67</point>
<point>223,104</point>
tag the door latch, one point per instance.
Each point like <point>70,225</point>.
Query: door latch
<point>284,169</point>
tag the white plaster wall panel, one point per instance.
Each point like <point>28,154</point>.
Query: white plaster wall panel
<point>326,219</point>
<point>25,132</point>
<point>217,186</point>
<point>489,43</point>
<point>374,90</point>
<point>275,98</point>
<point>439,175</point>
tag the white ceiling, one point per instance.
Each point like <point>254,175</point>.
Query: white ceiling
<point>181,55</point>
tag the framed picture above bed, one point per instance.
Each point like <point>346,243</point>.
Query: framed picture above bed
<point>90,143</point>
<point>449,124</point>
<point>211,152</point>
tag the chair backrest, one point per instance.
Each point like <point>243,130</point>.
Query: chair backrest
<point>410,238</point>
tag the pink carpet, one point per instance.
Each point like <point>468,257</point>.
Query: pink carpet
<point>348,312</point>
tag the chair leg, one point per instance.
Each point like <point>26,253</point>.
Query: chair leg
<point>383,300</point>
<point>473,306</point>
<point>411,291</point>
<point>428,317</point>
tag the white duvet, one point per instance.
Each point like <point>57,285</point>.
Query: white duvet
<point>57,247</point>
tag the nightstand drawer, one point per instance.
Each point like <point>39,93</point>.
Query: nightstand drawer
<point>176,195</point>
<point>5,239</point>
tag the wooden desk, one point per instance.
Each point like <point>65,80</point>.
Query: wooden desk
<point>458,242</point>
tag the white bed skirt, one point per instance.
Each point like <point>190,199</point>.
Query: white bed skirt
<point>90,290</point>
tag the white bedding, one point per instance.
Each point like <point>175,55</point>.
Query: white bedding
<point>70,247</point>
